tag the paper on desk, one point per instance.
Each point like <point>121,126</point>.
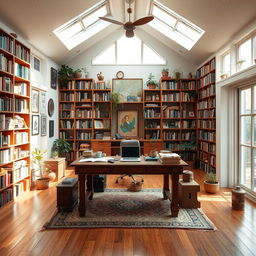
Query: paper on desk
<point>96,159</point>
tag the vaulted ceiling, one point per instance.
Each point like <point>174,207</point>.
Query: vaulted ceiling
<point>35,20</point>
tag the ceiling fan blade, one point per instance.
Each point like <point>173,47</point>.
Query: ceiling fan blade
<point>143,21</point>
<point>129,33</point>
<point>112,21</point>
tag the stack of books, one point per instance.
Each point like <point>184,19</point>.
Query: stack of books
<point>169,158</point>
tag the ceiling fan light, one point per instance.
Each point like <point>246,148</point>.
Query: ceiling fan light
<point>129,33</point>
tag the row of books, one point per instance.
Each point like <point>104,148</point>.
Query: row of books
<point>20,172</point>
<point>67,124</point>
<point>21,105</point>
<point>80,135</point>
<point>171,124</point>
<point>22,53</point>
<point>206,113</point>
<point>83,124</point>
<point>206,124</point>
<point>101,114</point>
<point>207,147</point>
<point>21,137</point>
<point>67,96</point>
<point>186,96</point>
<point>188,156</point>
<point>21,187</point>
<point>207,92</point>
<point>83,96</point>
<point>84,113</point>
<point>152,97</point>
<point>6,64</point>
<point>6,155</point>
<point>20,153</point>
<point>171,135</point>
<point>5,84</point>
<point>155,135</point>
<point>210,78</point>
<point>152,124</point>
<point>6,104</point>
<point>20,89</point>
<point>5,197</point>
<point>151,113</point>
<point>188,85</point>
<point>67,114</point>
<point>66,135</point>
<point>81,85</point>
<point>204,135</point>
<point>22,71</point>
<point>6,43</point>
<point>105,96</point>
<point>67,106</point>
<point>206,167</point>
<point>206,68</point>
<point>9,123</point>
<point>5,178</point>
<point>174,96</point>
<point>100,86</point>
<point>5,140</point>
<point>172,85</point>
<point>188,136</point>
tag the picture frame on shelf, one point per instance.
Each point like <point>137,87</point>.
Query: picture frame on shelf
<point>191,114</point>
<point>35,101</point>
<point>51,128</point>
<point>98,124</point>
<point>127,123</point>
<point>54,78</point>
<point>43,102</point>
<point>35,125</point>
<point>43,125</point>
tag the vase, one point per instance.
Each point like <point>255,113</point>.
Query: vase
<point>165,74</point>
<point>77,75</point>
<point>100,76</point>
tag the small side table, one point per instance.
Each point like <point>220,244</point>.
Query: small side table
<point>57,165</point>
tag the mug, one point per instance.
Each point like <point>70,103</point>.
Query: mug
<point>99,154</point>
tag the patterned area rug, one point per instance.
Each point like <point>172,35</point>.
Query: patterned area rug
<point>120,208</point>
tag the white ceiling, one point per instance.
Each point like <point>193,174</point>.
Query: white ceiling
<point>36,19</point>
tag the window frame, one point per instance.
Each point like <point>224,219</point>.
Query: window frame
<point>222,62</point>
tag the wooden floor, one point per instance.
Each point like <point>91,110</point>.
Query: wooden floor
<point>21,230</point>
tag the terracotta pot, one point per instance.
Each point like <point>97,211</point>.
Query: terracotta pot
<point>211,188</point>
<point>151,86</point>
<point>77,75</point>
<point>100,77</point>
<point>165,74</point>
<point>42,183</point>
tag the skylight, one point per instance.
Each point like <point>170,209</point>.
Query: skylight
<point>83,26</point>
<point>174,26</point>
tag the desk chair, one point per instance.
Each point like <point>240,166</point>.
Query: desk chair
<point>130,149</point>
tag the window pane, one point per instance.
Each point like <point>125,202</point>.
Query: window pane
<point>254,172</point>
<point>254,50</point>
<point>226,64</point>
<point>164,16</point>
<point>151,57</point>
<point>244,55</point>
<point>129,50</point>
<point>254,130</point>
<point>246,166</point>
<point>70,31</point>
<point>106,57</point>
<point>246,130</point>
<point>188,31</point>
<point>245,105</point>
<point>90,19</point>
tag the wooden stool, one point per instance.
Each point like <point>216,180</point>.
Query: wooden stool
<point>188,194</point>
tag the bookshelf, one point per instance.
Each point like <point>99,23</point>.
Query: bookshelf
<point>14,118</point>
<point>206,117</point>
<point>85,113</point>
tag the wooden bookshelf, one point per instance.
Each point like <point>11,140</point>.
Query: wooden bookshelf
<point>14,118</point>
<point>206,117</point>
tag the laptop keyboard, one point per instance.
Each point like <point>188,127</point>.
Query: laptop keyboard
<point>130,159</point>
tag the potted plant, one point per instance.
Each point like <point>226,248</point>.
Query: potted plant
<point>62,146</point>
<point>190,75</point>
<point>115,99</point>
<point>64,74</point>
<point>77,73</point>
<point>151,83</point>
<point>38,155</point>
<point>211,184</point>
<point>165,72</point>
<point>177,74</point>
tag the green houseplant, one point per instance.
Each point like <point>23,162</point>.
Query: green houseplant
<point>61,146</point>
<point>211,184</point>
<point>64,74</point>
<point>151,83</point>
<point>77,73</point>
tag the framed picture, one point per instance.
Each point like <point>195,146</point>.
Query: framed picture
<point>35,125</point>
<point>51,128</point>
<point>35,101</point>
<point>43,125</point>
<point>191,114</point>
<point>127,123</point>
<point>129,90</point>
<point>43,103</point>
<point>54,78</point>
<point>98,124</point>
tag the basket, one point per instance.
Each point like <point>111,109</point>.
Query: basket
<point>136,186</point>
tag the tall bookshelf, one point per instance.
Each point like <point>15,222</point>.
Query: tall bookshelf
<point>206,117</point>
<point>14,118</point>
<point>85,113</point>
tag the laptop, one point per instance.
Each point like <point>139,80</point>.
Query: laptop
<point>130,151</point>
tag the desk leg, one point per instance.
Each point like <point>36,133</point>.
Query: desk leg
<point>166,186</point>
<point>175,203</point>
<point>90,186</point>
<point>81,207</point>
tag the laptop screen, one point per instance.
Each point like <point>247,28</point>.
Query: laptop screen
<point>130,152</point>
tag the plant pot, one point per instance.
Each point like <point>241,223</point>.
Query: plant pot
<point>151,86</point>
<point>211,188</point>
<point>77,75</point>
<point>177,75</point>
<point>42,183</point>
<point>165,74</point>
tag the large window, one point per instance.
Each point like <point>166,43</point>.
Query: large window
<point>247,147</point>
<point>83,26</point>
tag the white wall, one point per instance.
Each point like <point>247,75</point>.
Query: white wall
<point>174,60</point>
<point>41,80</point>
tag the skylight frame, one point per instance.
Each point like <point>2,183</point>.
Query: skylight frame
<point>98,24</point>
<point>174,29</point>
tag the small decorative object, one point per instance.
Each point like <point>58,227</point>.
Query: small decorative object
<point>151,83</point>
<point>190,76</point>
<point>49,174</point>
<point>43,125</point>
<point>165,72</point>
<point>14,35</point>
<point>187,176</point>
<point>153,153</point>
<point>35,101</point>
<point>42,183</point>
<point>177,74</point>
<point>35,125</point>
<point>191,114</point>
<point>54,78</point>
<point>120,74</point>
<point>51,128</point>
<point>50,107</point>
<point>238,198</point>
<point>86,73</point>
<point>211,185</point>
<point>127,123</point>
<point>223,76</point>
<point>136,186</point>
<point>100,76</point>
<point>77,73</point>
<point>55,154</point>
<point>117,136</point>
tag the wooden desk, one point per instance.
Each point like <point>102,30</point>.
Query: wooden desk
<point>86,170</point>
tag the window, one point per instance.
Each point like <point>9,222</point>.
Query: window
<point>226,64</point>
<point>247,147</point>
<point>174,26</point>
<point>244,55</point>
<point>128,51</point>
<point>84,26</point>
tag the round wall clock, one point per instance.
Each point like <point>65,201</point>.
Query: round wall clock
<point>50,107</point>
<point>120,74</point>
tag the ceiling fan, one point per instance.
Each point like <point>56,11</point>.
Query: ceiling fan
<point>130,26</point>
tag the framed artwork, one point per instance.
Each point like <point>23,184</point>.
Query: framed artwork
<point>35,125</point>
<point>51,128</point>
<point>129,90</point>
<point>43,125</point>
<point>127,123</point>
<point>43,103</point>
<point>50,107</point>
<point>191,114</point>
<point>98,124</point>
<point>35,101</point>
<point>54,78</point>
